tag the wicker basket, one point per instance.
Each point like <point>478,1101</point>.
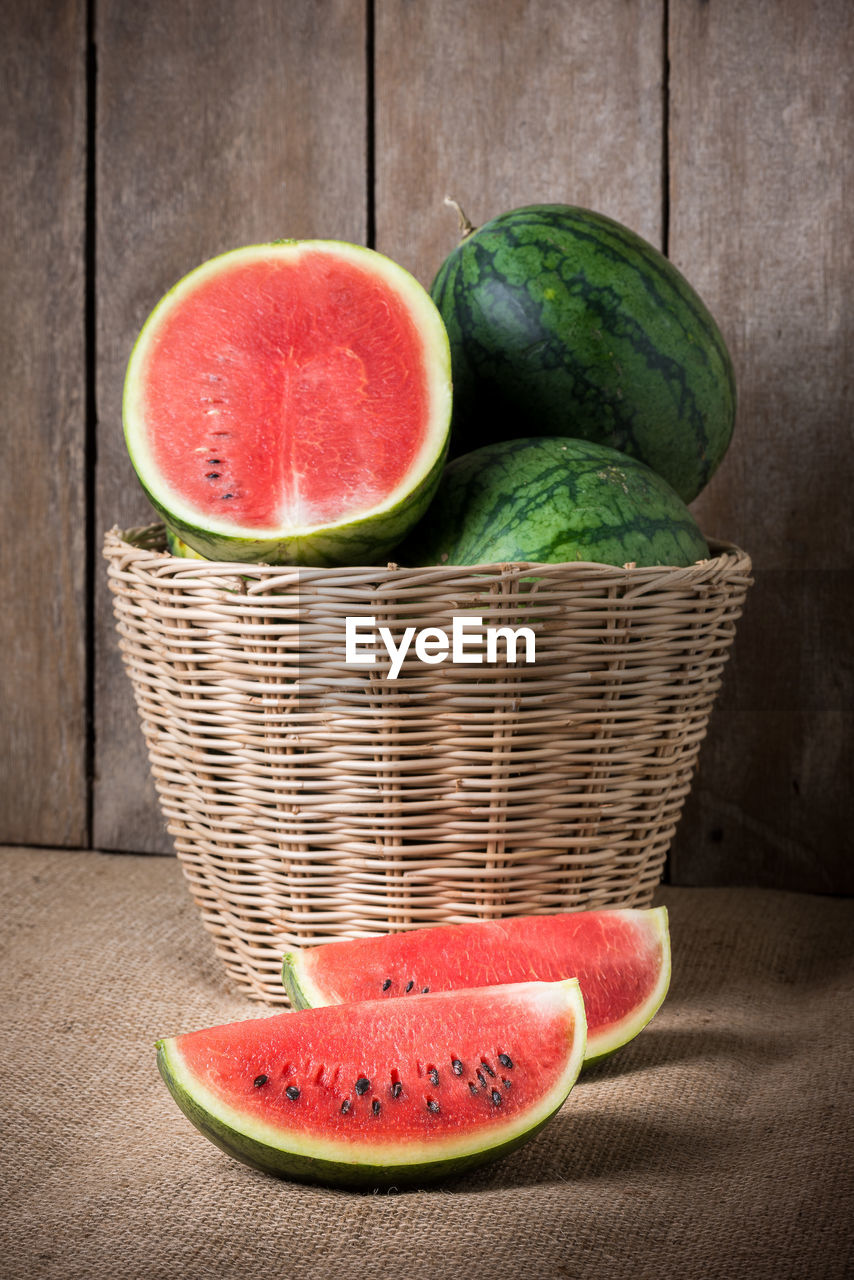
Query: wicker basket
<point>310,799</point>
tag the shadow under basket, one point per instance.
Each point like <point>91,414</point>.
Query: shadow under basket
<point>310,799</point>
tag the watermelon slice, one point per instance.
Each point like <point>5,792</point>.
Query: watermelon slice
<point>290,403</point>
<point>621,958</point>
<point>380,1092</point>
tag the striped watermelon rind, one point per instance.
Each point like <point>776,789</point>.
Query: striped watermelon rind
<point>554,500</point>
<point>563,317</point>
<point>360,537</point>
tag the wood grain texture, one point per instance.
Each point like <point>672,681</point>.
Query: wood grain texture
<point>218,125</point>
<point>43,786</point>
<point>760,219</point>
<point>505,104</point>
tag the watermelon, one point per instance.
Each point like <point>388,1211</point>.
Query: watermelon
<point>383,1092</point>
<point>552,499</point>
<point>177,547</point>
<point>290,403</point>
<point>621,957</point>
<point>564,318</point>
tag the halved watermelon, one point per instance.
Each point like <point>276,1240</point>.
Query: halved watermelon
<point>290,403</point>
<point>382,1093</point>
<point>621,958</point>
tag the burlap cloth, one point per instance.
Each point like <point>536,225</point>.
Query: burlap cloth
<point>718,1144</point>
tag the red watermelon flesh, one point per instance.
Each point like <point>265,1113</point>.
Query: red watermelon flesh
<point>621,958</point>
<point>382,1091</point>
<point>282,391</point>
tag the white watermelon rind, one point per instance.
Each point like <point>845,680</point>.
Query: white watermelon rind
<point>362,538</point>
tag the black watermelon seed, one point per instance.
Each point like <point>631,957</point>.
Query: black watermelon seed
<point>292,1092</point>
<point>362,1085</point>
<point>259,1080</point>
<point>434,1075</point>
<point>409,986</point>
<point>496,1098</point>
<point>227,495</point>
<point>396,1089</point>
<point>505,1061</point>
<point>506,1083</point>
<point>473,1087</point>
<point>212,475</point>
<point>432,1105</point>
<point>214,462</point>
<point>424,990</point>
<point>488,1069</point>
<point>386,984</point>
<point>345,1106</point>
<point>482,1078</point>
<point>456,1066</point>
<point>375,1106</point>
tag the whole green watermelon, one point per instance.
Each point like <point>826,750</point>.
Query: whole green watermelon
<point>562,316</point>
<point>551,500</point>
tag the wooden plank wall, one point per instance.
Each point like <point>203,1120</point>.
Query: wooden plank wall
<point>44,744</point>
<point>761,216</point>
<point>145,138</point>
<point>218,124</point>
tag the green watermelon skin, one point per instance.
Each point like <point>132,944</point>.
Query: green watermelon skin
<point>178,548</point>
<point>565,318</point>
<point>553,500</point>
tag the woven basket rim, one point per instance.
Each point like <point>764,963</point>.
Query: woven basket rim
<point>138,543</point>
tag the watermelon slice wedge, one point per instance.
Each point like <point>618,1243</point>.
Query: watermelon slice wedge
<point>382,1093</point>
<point>290,403</point>
<point>621,958</point>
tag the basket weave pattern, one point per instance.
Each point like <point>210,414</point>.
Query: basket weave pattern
<point>309,799</point>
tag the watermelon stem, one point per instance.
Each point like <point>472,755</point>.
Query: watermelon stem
<point>466,227</point>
